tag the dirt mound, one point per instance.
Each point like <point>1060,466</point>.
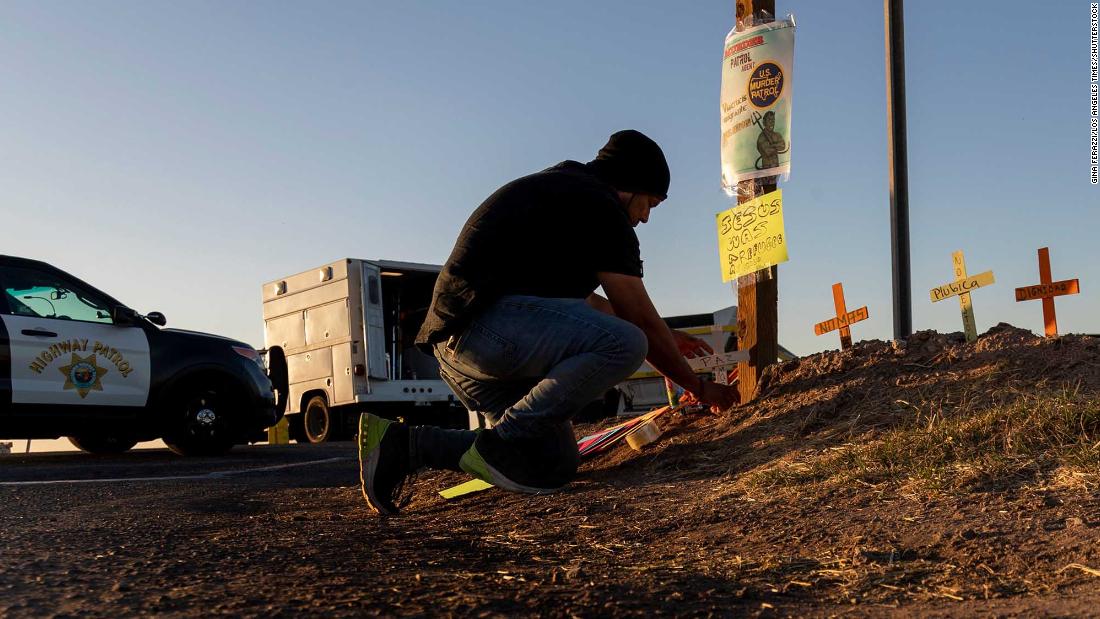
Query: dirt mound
<point>898,474</point>
<point>934,478</point>
<point>838,399</point>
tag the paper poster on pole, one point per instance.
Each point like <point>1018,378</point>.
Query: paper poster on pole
<point>757,70</point>
<point>751,236</point>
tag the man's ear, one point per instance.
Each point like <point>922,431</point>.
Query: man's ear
<point>625,197</point>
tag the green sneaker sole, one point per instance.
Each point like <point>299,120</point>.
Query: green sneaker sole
<point>474,464</point>
<point>371,431</point>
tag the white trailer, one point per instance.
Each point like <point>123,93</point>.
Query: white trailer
<point>339,342</point>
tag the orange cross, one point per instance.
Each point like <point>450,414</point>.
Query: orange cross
<point>1047,290</point>
<point>843,318</point>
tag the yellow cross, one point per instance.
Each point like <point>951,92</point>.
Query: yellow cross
<point>961,288</point>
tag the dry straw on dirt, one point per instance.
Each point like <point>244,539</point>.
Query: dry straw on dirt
<point>934,477</point>
<point>935,411</point>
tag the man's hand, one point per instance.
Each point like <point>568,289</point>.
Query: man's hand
<point>628,298</point>
<point>719,397</point>
<point>691,346</point>
<point>667,347</point>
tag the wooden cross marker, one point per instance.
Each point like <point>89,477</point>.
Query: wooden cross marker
<point>843,318</point>
<point>961,288</point>
<point>1047,290</point>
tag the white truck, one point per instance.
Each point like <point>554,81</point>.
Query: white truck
<point>339,342</point>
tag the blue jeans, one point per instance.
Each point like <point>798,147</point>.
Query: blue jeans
<point>528,364</point>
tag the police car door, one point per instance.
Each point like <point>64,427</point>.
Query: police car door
<point>65,348</point>
<point>5,362</point>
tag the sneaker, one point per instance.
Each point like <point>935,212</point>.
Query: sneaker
<point>383,462</point>
<point>511,467</point>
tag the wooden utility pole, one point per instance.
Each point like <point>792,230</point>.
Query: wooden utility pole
<point>757,293</point>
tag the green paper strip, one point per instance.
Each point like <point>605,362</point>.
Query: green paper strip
<point>474,485</point>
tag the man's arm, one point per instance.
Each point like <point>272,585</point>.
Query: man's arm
<point>627,297</point>
<point>689,345</point>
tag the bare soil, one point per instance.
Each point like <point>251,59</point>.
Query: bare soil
<point>700,523</point>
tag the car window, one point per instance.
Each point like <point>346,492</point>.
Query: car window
<point>18,307</point>
<point>30,292</point>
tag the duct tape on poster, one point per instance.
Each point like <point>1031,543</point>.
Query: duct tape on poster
<point>757,70</point>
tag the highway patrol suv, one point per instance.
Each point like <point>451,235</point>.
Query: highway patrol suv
<point>74,362</point>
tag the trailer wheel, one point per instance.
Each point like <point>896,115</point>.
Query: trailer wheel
<point>316,420</point>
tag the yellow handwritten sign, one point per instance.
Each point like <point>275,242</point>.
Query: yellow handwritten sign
<point>751,236</point>
<point>961,286</point>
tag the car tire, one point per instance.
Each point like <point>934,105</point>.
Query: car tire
<point>103,444</point>
<point>317,420</point>
<point>202,422</point>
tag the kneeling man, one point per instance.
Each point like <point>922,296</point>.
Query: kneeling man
<point>522,337</point>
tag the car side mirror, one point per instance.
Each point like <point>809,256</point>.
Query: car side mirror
<point>122,315</point>
<point>156,318</point>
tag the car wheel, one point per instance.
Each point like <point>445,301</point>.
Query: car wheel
<point>202,424</point>
<point>316,420</point>
<point>103,444</point>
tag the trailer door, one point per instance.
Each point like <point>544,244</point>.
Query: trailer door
<point>374,321</point>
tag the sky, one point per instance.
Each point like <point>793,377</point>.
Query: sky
<point>178,155</point>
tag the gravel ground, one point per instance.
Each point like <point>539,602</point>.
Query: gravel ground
<point>679,529</point>
<point>235,536</point>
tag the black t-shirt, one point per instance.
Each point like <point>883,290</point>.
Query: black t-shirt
<point>543,235</point>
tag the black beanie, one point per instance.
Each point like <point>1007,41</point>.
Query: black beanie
<point>632,162</point>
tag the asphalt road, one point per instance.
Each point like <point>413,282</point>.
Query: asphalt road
<point>149,532</point>
<point>274,531</point>
<point>275,463</point>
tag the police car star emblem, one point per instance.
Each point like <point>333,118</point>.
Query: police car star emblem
<point>83,375</point>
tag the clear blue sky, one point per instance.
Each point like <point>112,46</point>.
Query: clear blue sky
<point>179,154</point>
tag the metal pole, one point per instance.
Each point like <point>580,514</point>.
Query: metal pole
<point>899,166</point>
